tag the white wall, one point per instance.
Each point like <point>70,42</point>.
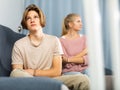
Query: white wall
<point>11,13</point>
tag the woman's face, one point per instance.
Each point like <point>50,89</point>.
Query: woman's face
<point>77,23</point>
<point>33,21</point>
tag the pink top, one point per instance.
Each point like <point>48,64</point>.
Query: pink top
<point>72,48</point>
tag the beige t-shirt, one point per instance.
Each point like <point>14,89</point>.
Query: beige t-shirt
<point>36,57</point>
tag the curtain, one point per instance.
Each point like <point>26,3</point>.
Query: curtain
<point>56,10</point>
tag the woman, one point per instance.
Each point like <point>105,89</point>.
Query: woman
<point>75,59</point>
<point>35,55</point>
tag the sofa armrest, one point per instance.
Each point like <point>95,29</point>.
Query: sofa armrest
<point>35,83</point>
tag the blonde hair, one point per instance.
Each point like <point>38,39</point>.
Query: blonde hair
<point>33,7</point>
<point>65,25</point>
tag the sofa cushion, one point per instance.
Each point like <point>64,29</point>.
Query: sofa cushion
<point>35,83</point>
<point>7,39</point>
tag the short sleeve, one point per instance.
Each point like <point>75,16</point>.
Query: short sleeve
<point>16,55</point>
<point>58,48</point>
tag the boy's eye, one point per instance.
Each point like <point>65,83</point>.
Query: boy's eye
<point>36,17</point>
<point>28,18</point>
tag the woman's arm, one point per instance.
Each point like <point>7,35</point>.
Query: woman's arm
<point>73,59</point>
<point>77,58</point>
<point>83,53</point>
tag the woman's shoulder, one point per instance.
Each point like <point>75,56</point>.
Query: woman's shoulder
<point>83,37</point>
<point>63,37</point>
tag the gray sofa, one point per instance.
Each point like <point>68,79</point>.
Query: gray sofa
<point>7,39</point>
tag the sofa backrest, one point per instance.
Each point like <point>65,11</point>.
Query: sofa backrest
<point>7,39</point>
